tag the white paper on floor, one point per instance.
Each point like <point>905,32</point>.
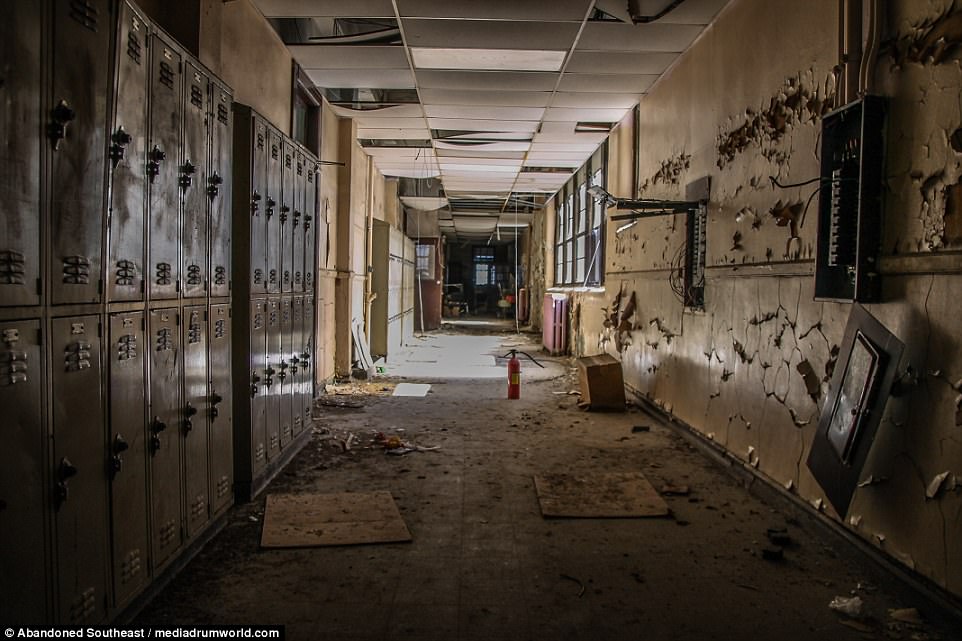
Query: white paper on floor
<point>411,389</point>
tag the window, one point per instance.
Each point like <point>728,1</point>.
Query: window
<point>425,266</point>
<point>483,266</point>
<point>579,235</point>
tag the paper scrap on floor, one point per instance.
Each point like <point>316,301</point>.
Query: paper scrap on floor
<point>598,495</point>
<point>345,518</point>
<point>411,389</point>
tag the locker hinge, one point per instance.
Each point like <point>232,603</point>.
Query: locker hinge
<point>40,336</point>
<point>39,287</point>
<point>143,323</point>
<point>100,286</point>
<point>100,329</point>
<point>177,285</point>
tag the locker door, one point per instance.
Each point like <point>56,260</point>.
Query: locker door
<point>219,194</point>
<point>196,443</point>
<point>296,371</point>
<point>297,227</point>
<point>163,169</point>
<point>79,471</point>
<point>127,154</point>
<point>307,361</point>
<point>274,188</point>
<point>285,377</point>
<point>193,179</point>
<point>272,383</point>
<point>288,197</point>
<point>77,122</point>
<point>22,590</point>
<point>312,218</point>
<point>259,387</point>
<point>219,409</point>
<point>259,208</point>
<point>20,113</point>
<point>128,455</point>
<point>164,429</point>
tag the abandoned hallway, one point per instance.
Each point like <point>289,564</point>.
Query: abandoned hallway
<point>484,564</point>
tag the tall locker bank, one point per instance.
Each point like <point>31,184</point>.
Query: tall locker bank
<point>275,206</point>
<point>115,308</point>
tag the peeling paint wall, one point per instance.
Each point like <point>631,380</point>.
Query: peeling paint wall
<point>751,371</point>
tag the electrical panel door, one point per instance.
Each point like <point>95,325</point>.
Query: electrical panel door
<point>193,179</point>
<point>20,127</point>
<point>275,163</point>
<point>219,194</point>
<point>311,219</point>
<point>296,371</point>
<point>284,375</point>
<point>196,437</point>
<point>307,361</point>
<point>259,386</point>
<point>286,216</point>
<point>163,169</point>
<point>164,427</point>
<point>297,223</point>
<point>259,207</point>
<point>219,408</point>
<point>272,384</point>
<point>127,455</point>
<point>127,149</point>
<point>76,113</point>
<point>79,473</point>
<point>22,486</point>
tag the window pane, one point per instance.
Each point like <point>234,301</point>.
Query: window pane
<point>582,207</point>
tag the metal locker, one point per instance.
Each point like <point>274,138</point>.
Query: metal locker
<point>312,217</point>
<point>297,223</point>
<point>127,154</point>
<point>164,169</point>
<point>259,386</point>
<point>79,470</point>
<point>22,494</point>
<point>286,216</point>
<point>193,179</point>
<point>275,162</point>
<point>258,232</point>
<point>218,193</point>
<point>127,455</point>
<point>272,384</point>
<point>296,371</point>
<point>20,127</point>
<point>76,124</point>
<point>307,361</point>
<point>163,434</point>
<point>284,375</point>
<point>196,436</point>
<point>219,408</point>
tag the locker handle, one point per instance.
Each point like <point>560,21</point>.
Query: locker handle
<point>67,469</point>
<point>155,157</point>
<point>255,199</point>
<point>270,206</point>
<point>190,410</point>
<point>213,185</point>
<point>187,172</point>
<point>215,398</point>
<point>118,147</point>
<point>157,426</point>
<point>62,115</point>
<point>120,445</point>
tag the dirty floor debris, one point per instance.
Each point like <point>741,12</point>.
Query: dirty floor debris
<point>484,564</point>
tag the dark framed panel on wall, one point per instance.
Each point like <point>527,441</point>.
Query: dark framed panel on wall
<point>305,111</point>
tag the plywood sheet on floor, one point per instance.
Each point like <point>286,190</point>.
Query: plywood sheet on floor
<point>600,495</point>
<point>346,518</point>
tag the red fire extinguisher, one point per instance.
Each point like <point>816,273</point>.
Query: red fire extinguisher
<point>514,372</point>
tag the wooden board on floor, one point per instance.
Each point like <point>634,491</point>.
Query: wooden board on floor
<point>599,495</point>
<point>346,518</point>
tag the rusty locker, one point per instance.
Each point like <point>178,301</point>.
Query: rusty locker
<point>285,377</point>
<point>218,194</point>
<point>193,179</point>
<point>259,202</point>
<point>195,420</point>
<point>219,410</point>
<point>272,384</point>
<point>79,474</point>
<point>296,371</point>
<point>22,487</point>
<point>163,169</point>
<point>164,434</point>
<point>127,155</point>
<point>286,217</point>
<point>260,388</point>
<point>20,114</point>
<point>275,162</point>
<point>311,219</point>
<point>297,223</point>
<point>76,125</point>
<point>127,451</point>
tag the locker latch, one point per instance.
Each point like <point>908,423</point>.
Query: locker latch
<point>189,412</point>
<point>187,172</point>
<point>283,373</point>
<point>65,471</point>
<point>255,379</point>
<point>118,145</point>
<point>307,222</point>
<point>255,203</point>
<point>215,400</point>
<point>154,158</point>
<point>213,185</point>
<point>116,462</point>
<point>62,116</point>
<point>269,376</point>
<point>156,427</point>
<point>294,362</point>
<point>284,210</point>
<point>270,206</point>
<point>297,218</point>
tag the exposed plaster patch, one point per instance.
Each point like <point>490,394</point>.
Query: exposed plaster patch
<point>618,321</point>
<point>933,41</point>
<point>670,171</point>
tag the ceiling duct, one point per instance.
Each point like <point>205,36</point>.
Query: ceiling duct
<point>337,31</point>
<point>645,11</point>
<point>420,187</point>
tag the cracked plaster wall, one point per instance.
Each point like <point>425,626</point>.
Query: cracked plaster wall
<point>751,371</point>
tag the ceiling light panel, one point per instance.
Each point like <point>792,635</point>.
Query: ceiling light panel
<point>488,80</point>
<point>362,78</point>
<point>561,10</point>
<point>485,162</point>
<point>485,113</point>
<point>523,126</point>
<point>606,84</point>
<point>349,57</point>
<point>657,36</point>
<point>326,8</point>
<point>489,34</point>
<point>618,62</point>
<point>487,59</point>
<point>479,98</point>
<point>479,155</point>
<point>493,147</point>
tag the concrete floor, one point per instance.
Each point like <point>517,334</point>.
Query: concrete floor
<point>484,564</point>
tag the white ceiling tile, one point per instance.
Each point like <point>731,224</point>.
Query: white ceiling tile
<point>537,10</point>
<point>485,113</point>
<point>537,157</point>
<point>489,34</point>
<point>617,36</point>
<point>488,80</point>
<point>362,78</point>
<point>606,84</point>
<point>349,57</point>
<point>586,147</point>
<point>478,98</point>
<point>603,100</point>
<point>616,62</point>
<point>374,122</point>
<point>493,147</point>
<point>389,133</point>
<point>464,160</point>
<point>326,8</point>
<point>567,114</point>
<point>487,59</point>
<point>572,161</point>
<point>403,153</point>
<point>526,126</point>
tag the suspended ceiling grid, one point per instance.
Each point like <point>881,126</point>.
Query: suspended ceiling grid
<point>517,74</point>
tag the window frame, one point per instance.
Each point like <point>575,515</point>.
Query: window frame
<point>579,241</point>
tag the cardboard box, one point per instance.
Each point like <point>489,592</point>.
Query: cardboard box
<point>602,383</point>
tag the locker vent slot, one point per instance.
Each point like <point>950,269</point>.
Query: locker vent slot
<point>196,96</point>
<point>12,266</point>
<point>258,320</point>
<point>275,152</point>
<point>84,606</point>
<point>308,279</point>
<point>260,141</point>
<point>287,161</point>
<point>193,275</point>
<point>297,278</point>
<point>222,114</point>
<point>199,507</point>
<point>84,13</point>
<point>220,275</point>
<point>258,276</point>
<point>223,486</point>
<point>76,356</point>
<point>165,340</point>
<point>300,169</point>
<point>125,272</point>
<point>168,532</point>
<point>193,333</point>
<point>13,367</point>
<point>220,329</point>
<point>130,566</point>
<point>76,270</point>
<point>164,273</point>
<point>134,48</point>
<point>259,452</point>
<point>273,277</point>
<point>127,347</point>
<point>166,75</point>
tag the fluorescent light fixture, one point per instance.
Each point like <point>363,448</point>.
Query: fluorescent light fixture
<point>487,59</point>
<point>626,227</point>
<point>513,225</point>
<point>456,167</point>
